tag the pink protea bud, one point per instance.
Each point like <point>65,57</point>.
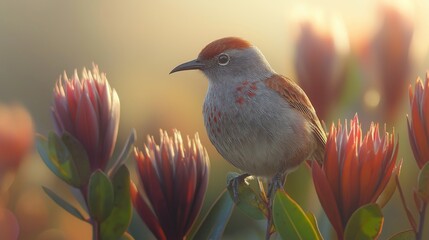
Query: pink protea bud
<point>88,108</point>
<point>16,135</point>
<point>173,180</point>
<point>418,123</point>
<point>355,170</point>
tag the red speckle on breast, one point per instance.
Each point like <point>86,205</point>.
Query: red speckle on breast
<point>251,93</point>
<point>239,100</point>
<point>253,86</point>
<point>244,91</point>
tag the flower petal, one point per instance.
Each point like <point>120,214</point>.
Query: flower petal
<point>419,131</point>
<point>349,180</point>
<point>87,131</point>
<point>327,199</point>
<point>146,213</point>
<point>331,163</point>
<point>111,124</point>
<point>186,178</point>
<point>174,178</point>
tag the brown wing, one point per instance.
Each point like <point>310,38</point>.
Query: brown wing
<point>297,98</point>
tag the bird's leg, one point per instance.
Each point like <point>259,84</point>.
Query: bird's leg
<point>277,182</point>
<point>234,183</point>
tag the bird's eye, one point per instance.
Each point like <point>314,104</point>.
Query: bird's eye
<point>223,59</point>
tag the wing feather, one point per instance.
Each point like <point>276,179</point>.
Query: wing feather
<point>297,98</point>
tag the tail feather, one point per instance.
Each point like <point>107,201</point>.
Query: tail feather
<point>319,154</point>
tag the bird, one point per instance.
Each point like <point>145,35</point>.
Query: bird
<point>258,120</point>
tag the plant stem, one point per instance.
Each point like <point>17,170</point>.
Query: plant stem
<point>269,219</point>
<point>266,199</point>
<point>93,222</point>
<point>404,204</point>
<point>95,230</point>
<point>422,214</point>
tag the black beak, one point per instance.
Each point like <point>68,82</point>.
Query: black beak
<point>191,65</point>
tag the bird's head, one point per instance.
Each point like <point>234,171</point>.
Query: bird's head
<point>229,59</point>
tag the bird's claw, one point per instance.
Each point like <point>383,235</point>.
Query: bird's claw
<point>276,183</point>
<point>233,185</point>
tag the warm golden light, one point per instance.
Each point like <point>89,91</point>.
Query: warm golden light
<point>137,44</point>
<point>371,98</point>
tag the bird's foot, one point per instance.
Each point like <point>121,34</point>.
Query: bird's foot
<point>277,182</point>
<point>234,183</point>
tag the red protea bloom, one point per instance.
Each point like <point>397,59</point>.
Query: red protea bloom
<point>174,180</point>
<point>321,47</point>
<point>88,108</point>
<point>418,125</point>
<point>16,136</point>
<point>354,172</point>
<point>391,51</point>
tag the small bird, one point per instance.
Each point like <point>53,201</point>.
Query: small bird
<point>259,121</point>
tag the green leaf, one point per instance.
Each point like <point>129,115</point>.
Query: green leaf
<point>78,156</point>
<point>313,222</point>
<point>117,223</point>
<point>100,196</point>
<point>290,220</point>
<point>423,182</point>
<point>43,149</point>
<point>215,221</point>
<point>405,235</point>
<point>64,204</point>
<point>250,202</point>
<point>78,196</point>
<point>125,153</point>
<point>365,223</point>
<point>62,158</point>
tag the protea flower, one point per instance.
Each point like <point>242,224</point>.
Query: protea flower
<point>391,52</point>
<point>355,170</point>
<point>88,109</point>
<point>16,135</point>
<point>173,180</point>
<point>418,130</point>
<point>321,47</point>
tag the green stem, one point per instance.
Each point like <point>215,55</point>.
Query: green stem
<point>269,218</point>
<point>93,222</point>
<point>422,214</point>
<point>404,204</point>
<point>95,230</point>
<point>267,200</point>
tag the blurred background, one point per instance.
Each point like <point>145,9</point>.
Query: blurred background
<point>348,56</point>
